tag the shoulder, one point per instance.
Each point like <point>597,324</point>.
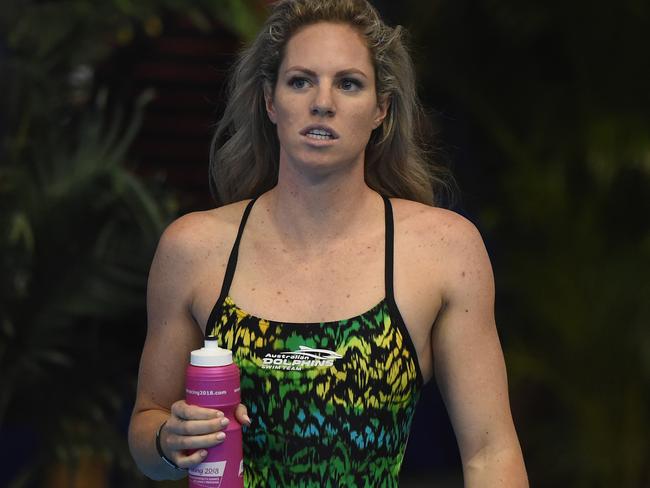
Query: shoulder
<point>447,241</point>
<point>201,231</point>
<point>429,223</point>
<point>194,241</point>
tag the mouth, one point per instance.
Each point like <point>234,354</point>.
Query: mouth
<point>319,133</point>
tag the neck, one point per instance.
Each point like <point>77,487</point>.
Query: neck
<point>312,213</point>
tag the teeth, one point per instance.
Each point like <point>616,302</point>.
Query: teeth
<point>311,135</point>
<point>321,132</point>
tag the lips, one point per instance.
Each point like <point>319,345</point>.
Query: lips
<point>326,128</point>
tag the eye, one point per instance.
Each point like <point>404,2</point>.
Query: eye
<point>296,82</point>
<point>350,84</point>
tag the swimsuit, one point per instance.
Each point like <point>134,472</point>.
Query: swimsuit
<point>331,403</point>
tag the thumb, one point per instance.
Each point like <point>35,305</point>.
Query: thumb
<point>241,413</point>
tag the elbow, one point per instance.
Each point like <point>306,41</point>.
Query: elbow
<point>140,448</point>
<point>500,467</point>
<point>141,440</point>
<point>136,449</point>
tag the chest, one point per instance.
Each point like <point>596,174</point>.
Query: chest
<point>345,281</point>
<point>331,284</point>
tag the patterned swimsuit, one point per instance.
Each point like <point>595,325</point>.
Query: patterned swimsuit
<point>331,402</point>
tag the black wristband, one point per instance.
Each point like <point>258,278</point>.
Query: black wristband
<point>168,461</point>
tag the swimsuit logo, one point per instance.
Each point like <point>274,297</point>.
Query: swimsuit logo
<point>305,357</point>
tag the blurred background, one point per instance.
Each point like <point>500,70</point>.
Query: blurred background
<point>541,109</point>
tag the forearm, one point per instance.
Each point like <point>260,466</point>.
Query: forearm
<point>491,468</point>
<point>142,443</point>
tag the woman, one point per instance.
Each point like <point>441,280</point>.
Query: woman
<point>319,132</point>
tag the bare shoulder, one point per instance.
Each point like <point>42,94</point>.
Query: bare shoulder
<point>446,241</point>
<point>189,246</point>
<point>434,224</point>
<point>192,235</point>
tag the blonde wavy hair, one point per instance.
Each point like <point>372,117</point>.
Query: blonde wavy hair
<point>245,150</point>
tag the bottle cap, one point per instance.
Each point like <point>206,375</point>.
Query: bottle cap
<point>211,355</point>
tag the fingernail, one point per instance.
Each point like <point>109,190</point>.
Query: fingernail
<point>225,422</point>
<point>248,420</point>
<point>221,436</point>
<point>203,453</point>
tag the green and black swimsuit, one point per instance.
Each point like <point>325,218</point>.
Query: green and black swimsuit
<point>331,402</point>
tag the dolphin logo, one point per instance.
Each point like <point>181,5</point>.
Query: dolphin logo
<point>315,353</point>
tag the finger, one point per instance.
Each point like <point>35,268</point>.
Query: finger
<point>241,414</point>
<point>197,427</point>
<point>191,460</point>
<point>183,411</point>
<point>179,443</point>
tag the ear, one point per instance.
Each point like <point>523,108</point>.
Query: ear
<point>382,110</point>
<point>268,102</point>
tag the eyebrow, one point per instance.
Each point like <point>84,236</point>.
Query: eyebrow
<point>337,75</point>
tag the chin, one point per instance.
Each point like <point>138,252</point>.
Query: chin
<point>323,161</point>
<point>321,167</point>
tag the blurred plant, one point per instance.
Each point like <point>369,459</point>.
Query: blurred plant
<point>558,105</point>
<point>51,30</point>
<point>51,48</point>
<point>81,230</point>
<point>80,227</point>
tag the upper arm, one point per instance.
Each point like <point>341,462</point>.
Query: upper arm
<point>171,330</point>
<point>468,360</point>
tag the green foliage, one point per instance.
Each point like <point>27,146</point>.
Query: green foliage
<point>80,225</point>
<point>72,32</point>
<point>81,230</point>
<point>559,111</point>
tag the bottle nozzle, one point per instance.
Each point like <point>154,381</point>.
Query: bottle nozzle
<point>211,354</point>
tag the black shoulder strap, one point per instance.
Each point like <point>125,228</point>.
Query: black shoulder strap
<point>388,250</point>
<point>232,260</point>
<point>390,295</point>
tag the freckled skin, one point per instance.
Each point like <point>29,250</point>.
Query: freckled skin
<point>347,103</point>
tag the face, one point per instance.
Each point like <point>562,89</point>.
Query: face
<point>326,80</point>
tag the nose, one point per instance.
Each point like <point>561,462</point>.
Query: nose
<point>323,103</point>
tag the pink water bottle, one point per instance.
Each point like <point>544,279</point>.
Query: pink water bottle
<point>212,381</point>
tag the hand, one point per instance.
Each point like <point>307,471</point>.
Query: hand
<point>191,429</point>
